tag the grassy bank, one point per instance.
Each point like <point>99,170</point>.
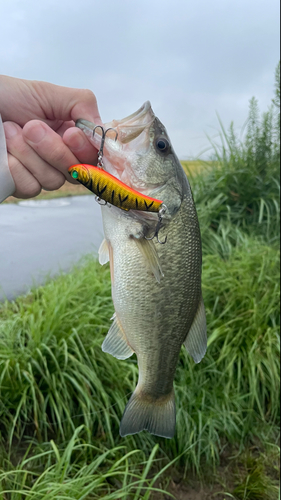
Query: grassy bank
<point>56,384</point>
<point>62,398</point>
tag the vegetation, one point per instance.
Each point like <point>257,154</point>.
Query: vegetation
<point>244,177</point>
<point>60,403</point>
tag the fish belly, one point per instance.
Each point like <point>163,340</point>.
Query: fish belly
<point>155,317</point>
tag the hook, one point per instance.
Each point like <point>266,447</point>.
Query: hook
<point>158,226</point>
<point>104,132</point>
<point>95,128</point>
<point>100,153</point>
<point>110,128</point>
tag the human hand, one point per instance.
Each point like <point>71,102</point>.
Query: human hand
<point>42,141</point>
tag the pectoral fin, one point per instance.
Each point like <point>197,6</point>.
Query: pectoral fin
<point>149,252</point>
<point>196,340</point>
<point>106,255</point>
<point>103,253</point>
<point>115,343</point>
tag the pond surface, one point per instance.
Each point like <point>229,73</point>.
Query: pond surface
<point>40,238</point>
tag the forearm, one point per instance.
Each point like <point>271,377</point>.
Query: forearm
<point>7,185</point>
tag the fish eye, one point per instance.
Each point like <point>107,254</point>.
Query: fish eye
<point>162,144</point>
<point>74,174</point>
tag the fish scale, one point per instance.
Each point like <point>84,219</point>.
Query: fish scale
<point>175,299</point>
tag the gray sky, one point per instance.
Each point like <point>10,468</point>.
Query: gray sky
<point>190,59</point>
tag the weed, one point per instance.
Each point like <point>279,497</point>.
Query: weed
<point>242,187</point>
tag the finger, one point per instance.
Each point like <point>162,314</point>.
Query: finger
<point>47,176</point>
<point>78,143</point>
<point>26,185</point>
<point>63,127</point>
<point>49,146</point>
<point>63,103</point>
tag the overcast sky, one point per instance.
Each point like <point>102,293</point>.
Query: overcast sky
<point>191,59</point>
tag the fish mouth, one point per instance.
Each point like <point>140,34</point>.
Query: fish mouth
<point>132,138</point>
<point>128,128</point>
<point>132,126</point>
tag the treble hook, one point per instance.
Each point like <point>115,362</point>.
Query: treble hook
<point>104,132</point>
<point>100,153</point>
<point>110,128</point>
<point>158,226</point>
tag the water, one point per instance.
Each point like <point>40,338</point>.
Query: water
<point>40,238</point>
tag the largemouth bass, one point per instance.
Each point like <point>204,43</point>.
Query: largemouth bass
<point>156,289</point>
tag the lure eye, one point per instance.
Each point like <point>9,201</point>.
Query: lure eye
<point>74,174</point>
<point>162,144</point>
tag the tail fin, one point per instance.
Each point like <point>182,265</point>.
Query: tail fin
<point>157,416</point>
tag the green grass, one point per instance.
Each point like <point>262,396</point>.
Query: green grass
<point>244,177</point>
<point>52,366</point>
<point>255,474</point>
<point>61,397</point>
<point>81,471</point>
<point>55,378</point>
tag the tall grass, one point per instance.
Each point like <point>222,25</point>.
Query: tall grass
<point>55,377</point>
<point>81,471</point>
<point>242,187</point>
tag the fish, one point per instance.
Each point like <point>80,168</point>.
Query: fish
<point>156,289</point>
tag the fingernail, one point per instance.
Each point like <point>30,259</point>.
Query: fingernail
<point>10,130</point>
<point>35,133</point>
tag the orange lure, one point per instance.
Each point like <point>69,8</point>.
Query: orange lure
<point>110,189</point>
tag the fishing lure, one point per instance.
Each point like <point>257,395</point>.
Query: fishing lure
<point>110,189</point>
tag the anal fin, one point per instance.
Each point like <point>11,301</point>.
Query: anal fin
<point>196,340</point>
<point>115,343</point>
